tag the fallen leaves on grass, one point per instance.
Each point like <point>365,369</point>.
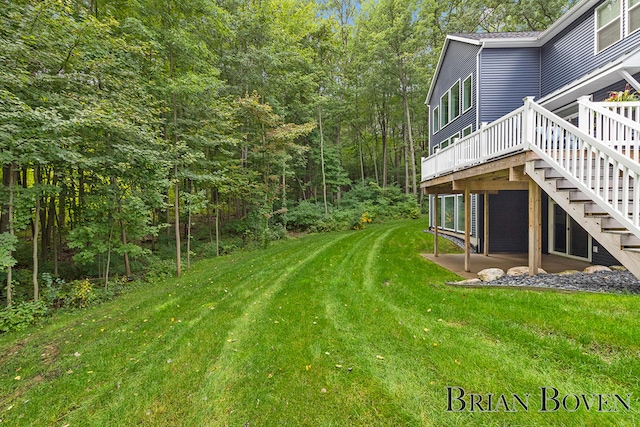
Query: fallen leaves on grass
<point>380,357</point>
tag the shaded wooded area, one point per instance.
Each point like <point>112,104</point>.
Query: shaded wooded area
<point>126,127</point>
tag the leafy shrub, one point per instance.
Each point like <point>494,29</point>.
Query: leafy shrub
<point>19,316</point>
<point>81,294</point>
<point>305,216</point>
<point>53,291</point>
<point>160,269</point>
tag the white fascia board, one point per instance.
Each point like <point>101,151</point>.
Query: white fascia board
<point>463,39</point>
<point>523,42</point>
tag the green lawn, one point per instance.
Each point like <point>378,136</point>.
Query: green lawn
<point>340,329</point>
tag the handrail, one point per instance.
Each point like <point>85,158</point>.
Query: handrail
<point>607,176</point>
<point>628,109</point>
<point>613,124</point>
<point>503,136</point>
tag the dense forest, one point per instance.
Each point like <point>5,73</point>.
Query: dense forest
<point>135,134</point>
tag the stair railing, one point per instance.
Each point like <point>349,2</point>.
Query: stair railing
<point>617,124</point>
<point>608,177</point>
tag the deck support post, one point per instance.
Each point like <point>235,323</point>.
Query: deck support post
<point>485,238</point>
<point>535,220</point>
<point>435,225</point>
<point>467,228</point>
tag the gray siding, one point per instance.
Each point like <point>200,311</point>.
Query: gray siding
<point>571,54</point>
<point>509,222</point>
<point>506,77</point>
<point>459,62</point>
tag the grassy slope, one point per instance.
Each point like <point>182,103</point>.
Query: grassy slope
<point>291,336</point>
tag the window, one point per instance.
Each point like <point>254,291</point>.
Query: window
<point>449,105</point>
<point>466,92</point>
<point>467,131</point>
<point>444,110</point>
<point>449,141</point>
<point>436,119</point>
<point>634,15</point>
<point>608,28</point>
<point>454,100</point>
<point>460,216</point>
<point>449,212</point>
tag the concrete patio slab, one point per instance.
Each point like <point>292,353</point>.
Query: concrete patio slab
<point>455,263</point>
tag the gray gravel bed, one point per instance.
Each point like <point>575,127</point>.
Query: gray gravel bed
<point>602,281</point>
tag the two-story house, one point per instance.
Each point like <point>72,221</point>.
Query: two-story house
<point>524,154</point>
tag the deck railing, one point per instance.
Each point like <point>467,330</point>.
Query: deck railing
<point>504,136</point>
<point>599,169</point>
<point>606,175</point>
<point>616,124</point>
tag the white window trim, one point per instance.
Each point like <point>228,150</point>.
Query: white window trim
<point>436,111</point>
<point>448,95</point>
<point>595,26</point>
<point>469,77</point>
<point>444,125</point>
<point>451,117</point>
<point>470,127</point>
<point>459,199</point>
<point>627,21</point>
<point>450,141</point>
<point>442,221</point>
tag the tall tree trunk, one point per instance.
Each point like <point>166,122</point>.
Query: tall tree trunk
<point>54,240</point>
<point>324,177</point>
<point>412,151</point>
<point>106,269</point>
<point>36,231</point>
<point>189,227</point>
<point>175,169</point>
<point>4,215</point>
<point>123,231</point>
<point>177,221</point>
<point>361,157</point>
<point>406,163</point>
<point>11,229</point>
<point>284,196</point>
<point>216,207</point>
<point>382,120</point>
<point>127,265</point>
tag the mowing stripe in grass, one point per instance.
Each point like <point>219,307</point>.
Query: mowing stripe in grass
<point>310,318</point>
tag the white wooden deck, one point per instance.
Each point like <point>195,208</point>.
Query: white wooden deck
<point>595,164</point>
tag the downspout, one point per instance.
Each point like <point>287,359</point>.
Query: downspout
<point>475,214</point>
<point>478,86</point>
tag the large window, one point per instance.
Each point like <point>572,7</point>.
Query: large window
<point>436,119</point>
<point>634,15</point>
<point>466,92</point>
<point>450,214</point>
<point>460,216</point>
<point>608,27</point>
<point>444,110</point>
<point>450,104</point>
<point>454,94</point>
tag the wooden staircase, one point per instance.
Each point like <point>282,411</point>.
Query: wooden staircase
<point>609,232</point>
<point>593,176</point>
